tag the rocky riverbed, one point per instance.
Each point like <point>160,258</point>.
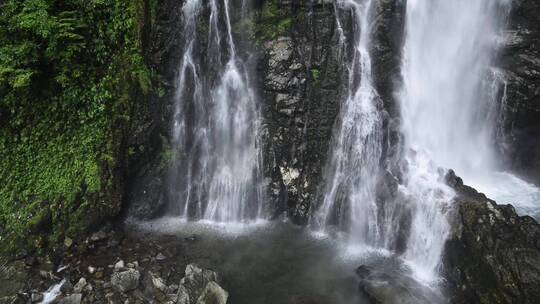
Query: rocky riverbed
<point>157,263</point>
<point>110,267</point>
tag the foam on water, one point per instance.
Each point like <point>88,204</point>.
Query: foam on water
<point>172,225</point>
<point>506,188</point>
<point>52,293</point>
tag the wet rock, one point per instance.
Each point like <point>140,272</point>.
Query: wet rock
<point>12,278</point>
<point>519,96</point>
<point>492,254</point>
<point>191,238</point>
<point>71,299</point>
<point>36,297</point>
<point>309,300</point>
<point>127,280</point>
<point>80,286</point>
<point>146,195</point>
<point>213,294</point>
<point>160,257</point>
<point>300,72</point>
<point>91,269</point>
<point>200,286</point>
<point>66,287</point>
<point>101,235</point>
<point>119,265</point>
<point>363,271</point>
<point>155,287</point>
<point>382,287</point>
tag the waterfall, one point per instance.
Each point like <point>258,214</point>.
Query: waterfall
<point>217,171</point>
<point>349,194</point>
<point>449,96</point>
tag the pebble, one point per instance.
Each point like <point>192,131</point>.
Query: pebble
<point>44,274</point>
<point>98,236</point>
<point>68,242</point>
<point>80,286</point>
<point>119,265</point>
<point>160,257</point>
<point>91,270</point>
<point>36,297</point>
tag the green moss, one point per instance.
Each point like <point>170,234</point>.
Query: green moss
<point>315,75</point>
<point>272,21</point>
<point>69,71</point>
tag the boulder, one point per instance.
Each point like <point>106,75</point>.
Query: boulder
<point>127,280</point>
<point>382,287</point>
<point>79,287</point>
<point>200,286</point>
<point>75,298</point>
<point>492,254</point>
<point>213,294</point>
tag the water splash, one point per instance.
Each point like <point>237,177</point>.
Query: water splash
<point>53,293</point>
<point>217,172</point>
<point>447,111</point>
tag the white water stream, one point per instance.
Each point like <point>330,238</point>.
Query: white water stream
<point>217,171</point>
<point>450,100</point>
<point>450,103</point>
<point>349,196</point>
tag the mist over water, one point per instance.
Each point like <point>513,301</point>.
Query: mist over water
<point>216,175</point>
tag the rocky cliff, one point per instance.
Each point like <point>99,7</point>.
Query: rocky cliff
<point>492,254</point>
<point>300,87</point>
<point>521,105</point>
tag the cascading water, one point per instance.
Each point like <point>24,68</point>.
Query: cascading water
<point>349,194</point>
<point>449,105</point>
<point>216,173</point>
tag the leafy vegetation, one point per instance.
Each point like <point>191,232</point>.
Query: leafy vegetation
<point>68,72</point>
<point>266,22</point>
<point>315,74</point>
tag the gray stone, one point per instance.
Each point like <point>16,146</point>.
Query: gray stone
<point>127,280</point>
<point>91,270</point>
<point>200,286</point>
<point>501,249</point>
<point>160,257</point>
<point>71,299</point>
<point>36,297</point>
<point>119,265</point>
<point>98,236</point>
<point>79,287</point>
<point>213,294</point>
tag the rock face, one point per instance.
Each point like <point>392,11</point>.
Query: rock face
<point>521,107</point>
<point>303,84</point>
<point>492,254</point>
<point>300,89</point>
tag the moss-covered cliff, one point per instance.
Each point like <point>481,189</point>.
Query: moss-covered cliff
<point>72,81</point>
